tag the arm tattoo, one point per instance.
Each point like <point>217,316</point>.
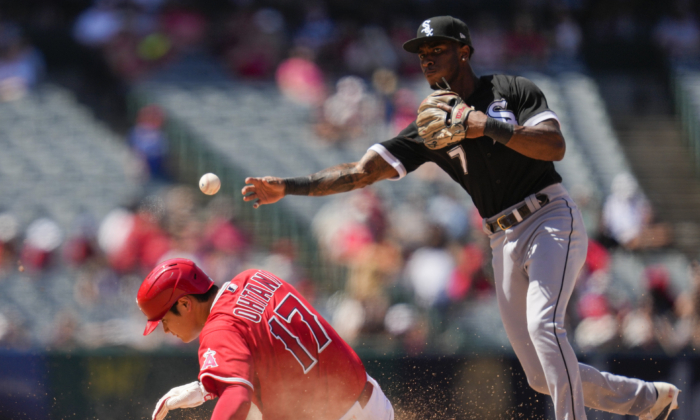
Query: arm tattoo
<point>336,179</point>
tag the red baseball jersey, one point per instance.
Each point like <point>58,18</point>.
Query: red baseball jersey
<point>263,334</point>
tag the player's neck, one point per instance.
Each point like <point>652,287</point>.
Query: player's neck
<point>467,85</point>
<point>202,311</point>
<point>207,307</point>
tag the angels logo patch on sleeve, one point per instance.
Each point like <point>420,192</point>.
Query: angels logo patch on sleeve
<point>209,360</point>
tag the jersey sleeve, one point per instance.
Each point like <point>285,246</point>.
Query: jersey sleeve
<point>404,152</point>
<point>234,404</point>
<point>225,359</point>
<point>531,105</point>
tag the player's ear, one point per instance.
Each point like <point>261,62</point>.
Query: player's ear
<point>186,302</point>
<point>465,52</point>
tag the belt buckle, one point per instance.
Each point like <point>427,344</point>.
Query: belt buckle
<point>498,222</point>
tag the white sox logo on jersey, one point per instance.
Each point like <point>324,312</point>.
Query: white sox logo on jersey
<point>427,30</point>
<point>209,360</point>
<point>497,110</point>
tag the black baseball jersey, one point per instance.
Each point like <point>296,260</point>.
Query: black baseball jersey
<point>495,176</point>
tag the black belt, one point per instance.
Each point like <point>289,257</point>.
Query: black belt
<point>366,394</point>
<point>508,220</point>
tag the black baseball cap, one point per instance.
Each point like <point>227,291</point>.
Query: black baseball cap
<point>440,27</point>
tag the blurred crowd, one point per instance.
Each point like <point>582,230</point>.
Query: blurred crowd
<point>21,64</point>
<point>418,276</point>
<point>69,288</point>
<point>418,271</point>
<point>253,39</point>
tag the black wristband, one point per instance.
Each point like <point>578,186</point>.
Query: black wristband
<point>498,130</point>
<point>297,186</point>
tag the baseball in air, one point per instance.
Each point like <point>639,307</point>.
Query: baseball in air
<point>209,184</point>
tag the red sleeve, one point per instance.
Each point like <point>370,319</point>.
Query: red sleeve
<point>233,404</point>
<point>224,359</point>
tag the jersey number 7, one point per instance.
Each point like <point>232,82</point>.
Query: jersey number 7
<point>286,310</point>
<point>458,153</point>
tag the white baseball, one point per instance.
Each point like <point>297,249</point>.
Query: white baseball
<point>209,184</point>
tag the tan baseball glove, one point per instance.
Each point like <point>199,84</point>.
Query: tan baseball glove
<point>438,127</point>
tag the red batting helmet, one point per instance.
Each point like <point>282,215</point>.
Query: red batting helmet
<point>165,284</point>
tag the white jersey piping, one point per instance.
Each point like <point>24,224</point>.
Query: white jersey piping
<point>542,116</point>
<point>227,380</point>
<point>391,160</point>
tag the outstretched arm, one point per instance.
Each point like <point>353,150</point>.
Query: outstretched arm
<point>336,179</point>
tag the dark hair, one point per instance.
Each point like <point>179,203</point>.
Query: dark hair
<point>201,297</point>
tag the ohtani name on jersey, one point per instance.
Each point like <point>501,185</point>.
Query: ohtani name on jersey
<point>255,296</point>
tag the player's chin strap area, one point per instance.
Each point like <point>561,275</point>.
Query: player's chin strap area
<point>521,212</point>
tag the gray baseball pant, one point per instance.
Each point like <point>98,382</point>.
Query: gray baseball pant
<point>536,264</point>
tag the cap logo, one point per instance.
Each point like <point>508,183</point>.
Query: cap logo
<point>427,30</point>
<point>461,35</point>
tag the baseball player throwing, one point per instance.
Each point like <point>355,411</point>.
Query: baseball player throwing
<point>259,341</point>
<point>496,137</point>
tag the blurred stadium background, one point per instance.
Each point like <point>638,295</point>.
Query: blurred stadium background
<point>110,110</point>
